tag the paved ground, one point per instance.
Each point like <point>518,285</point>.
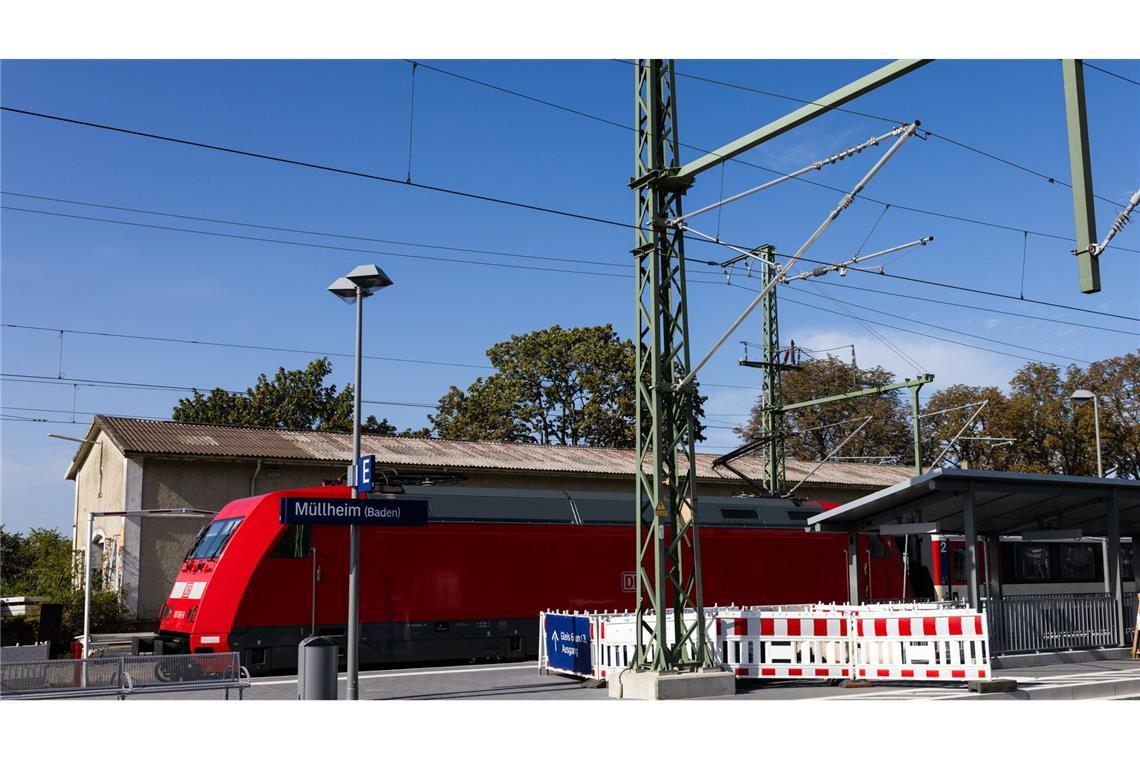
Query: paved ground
<point>1106,679</point>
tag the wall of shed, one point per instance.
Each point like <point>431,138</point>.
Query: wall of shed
<point>164,542</point>
<point>106,494</point>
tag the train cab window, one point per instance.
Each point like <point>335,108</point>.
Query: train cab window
<point>1079,562</point>
<point>878,549</point>
<point>959,564</point>
<point>294,543</point>
<point>1128,562</point>
<point>1032,562</point>
<point>211,543</point>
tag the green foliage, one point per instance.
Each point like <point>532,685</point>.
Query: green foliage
<point>107,612</point>
<point>1050,435</point>
<point>43,564</point>
<point>996,420</point>
<point>554,386</point>
<point>887,434</point>
<point>292,400</point>
<point>38,565</point>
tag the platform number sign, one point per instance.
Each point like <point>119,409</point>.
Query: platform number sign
<point>365,467</point>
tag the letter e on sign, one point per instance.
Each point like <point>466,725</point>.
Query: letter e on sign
<point>364,469</point>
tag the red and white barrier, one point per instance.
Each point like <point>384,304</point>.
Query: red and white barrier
<point>945,645</point>
<point>768,644</point>
<point>920,642</point>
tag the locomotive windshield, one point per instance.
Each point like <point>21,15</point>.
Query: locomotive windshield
<point>211,543</point>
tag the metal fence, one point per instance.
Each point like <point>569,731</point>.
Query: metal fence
<point>1047,622</point>
<point>121,676</point>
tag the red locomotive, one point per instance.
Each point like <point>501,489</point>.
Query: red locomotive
<point>471,583</point>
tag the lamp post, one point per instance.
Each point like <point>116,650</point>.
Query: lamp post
<point>1080,398</point>
<point>354,287</point>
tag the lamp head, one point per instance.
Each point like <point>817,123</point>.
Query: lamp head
<point>1081,397</point>
<point>369,277</point>
<point>344,289</point>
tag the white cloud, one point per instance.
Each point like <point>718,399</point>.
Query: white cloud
<point>949,363</point>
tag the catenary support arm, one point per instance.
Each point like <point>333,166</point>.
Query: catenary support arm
<point>843,204</point>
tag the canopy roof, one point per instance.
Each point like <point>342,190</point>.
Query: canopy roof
<point>1007,503</point>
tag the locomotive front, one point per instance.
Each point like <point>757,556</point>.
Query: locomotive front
<point>178,632</point>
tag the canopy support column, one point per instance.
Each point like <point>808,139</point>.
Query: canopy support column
<point>1113,576</point>
<point>969,504</point>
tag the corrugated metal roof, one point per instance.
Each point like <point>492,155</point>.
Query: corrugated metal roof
<point>151,437</point>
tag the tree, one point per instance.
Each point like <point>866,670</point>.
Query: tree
<point>1050,435</point>
<point>292,400</point>
<point>43,564</point>
<point>555,386</point>
<point>947,412</point>
<point>1116,381</point>
<point>887,434</point>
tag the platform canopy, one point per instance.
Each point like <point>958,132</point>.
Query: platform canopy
<point>979,504</point>
<point>1005,504</point>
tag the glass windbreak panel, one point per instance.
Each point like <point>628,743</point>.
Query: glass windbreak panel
<point>1033,562</point>
<point>294,543</point>
<point>215,538</point>
<point>1078,562</point>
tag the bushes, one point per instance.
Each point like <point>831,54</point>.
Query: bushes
<point>43,564</point>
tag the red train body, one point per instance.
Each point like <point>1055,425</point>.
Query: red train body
<point>471,583</point>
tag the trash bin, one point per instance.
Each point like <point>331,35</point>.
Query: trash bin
<point>316,668</point>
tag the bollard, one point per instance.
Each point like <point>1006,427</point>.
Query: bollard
<point>316,668</point>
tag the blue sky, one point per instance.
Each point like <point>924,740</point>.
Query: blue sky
<point>74,274</point>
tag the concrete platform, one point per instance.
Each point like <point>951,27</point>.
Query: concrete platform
<point>653,685</point>
<point>1038,659</point>
<point>1097,679</point>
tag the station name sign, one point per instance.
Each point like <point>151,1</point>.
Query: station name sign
<point>390,512</point>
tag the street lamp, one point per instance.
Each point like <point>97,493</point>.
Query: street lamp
<point>354,287</point>
<point>1080,398</point>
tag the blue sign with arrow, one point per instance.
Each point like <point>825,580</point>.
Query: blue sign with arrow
<point>568,643</point>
